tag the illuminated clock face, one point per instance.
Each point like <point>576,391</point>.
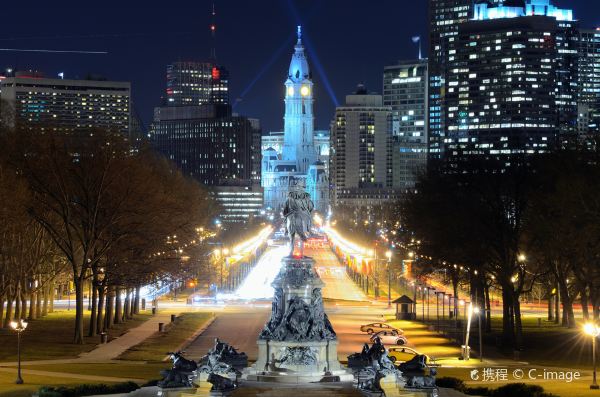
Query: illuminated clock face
<point>304,90</point>
<point>290,91</point>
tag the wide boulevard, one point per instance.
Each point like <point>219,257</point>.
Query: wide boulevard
<point>239,322</point>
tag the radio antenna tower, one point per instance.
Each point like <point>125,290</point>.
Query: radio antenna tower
<point>213,33</point>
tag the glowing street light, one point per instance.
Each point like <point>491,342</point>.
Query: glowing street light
<point>479,313</point>
<point>593,330</point>
<point>466,350</point>
<point>19,326</point>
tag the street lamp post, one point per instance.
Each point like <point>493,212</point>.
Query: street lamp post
<point>19,326</point>
<point>388,255</point>
<point>444,307</point>
<point>423,302</point>
<point>437,309</point>
<point>479,314</point>
<point>466,350</point>
<point>594,331</point>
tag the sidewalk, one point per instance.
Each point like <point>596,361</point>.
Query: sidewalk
<point>116,347</point>
<point>111,350</point>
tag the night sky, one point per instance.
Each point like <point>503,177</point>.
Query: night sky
<point>351,40</point>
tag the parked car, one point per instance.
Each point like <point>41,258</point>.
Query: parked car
<point>389,338</point>
<point>403,354</point>
<point>376,327</point>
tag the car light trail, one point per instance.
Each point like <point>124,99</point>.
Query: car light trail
<point>258,283</point>
<point>252,244</point>
<point>345,245</point>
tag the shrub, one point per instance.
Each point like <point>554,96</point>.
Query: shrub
<point>87,390</point>
<point>510,390</point>
<point>152,382</point>
<point>450,383</point>
<point>521,390</point>
<point>479,391</point>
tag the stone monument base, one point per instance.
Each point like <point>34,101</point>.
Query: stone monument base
<point>277,363</point>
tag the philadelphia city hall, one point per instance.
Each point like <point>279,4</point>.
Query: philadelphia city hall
<point>294,162</point>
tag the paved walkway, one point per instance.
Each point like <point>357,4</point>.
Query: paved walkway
<point>237,326</point>
<point>118,346</point>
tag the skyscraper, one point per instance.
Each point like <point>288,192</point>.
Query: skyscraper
<point>196,129</point>
<point>30,99</point>
<point>445,16</point>
<point>509,83</point>
<point>212,147</point>
<point>405,91</point>
<point>196,83</point>
<point>296,162</point>
<point>360,168</point>
<point>501,98</point>
<point>589,82</point>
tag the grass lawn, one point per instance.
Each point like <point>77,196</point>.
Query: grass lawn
<point>157,345</point>
<point>425,341</point>
<point>550,344</point>
<point>145,371</point>
<point>8,388</point>
<point>51,337</point>
<point>579,388</point>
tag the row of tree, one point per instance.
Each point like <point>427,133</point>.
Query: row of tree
<point>535,221</point>
<point>90,208</point>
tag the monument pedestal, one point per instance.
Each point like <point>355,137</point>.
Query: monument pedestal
<point>298,343</point>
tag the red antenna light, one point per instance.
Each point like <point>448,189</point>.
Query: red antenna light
<point>213,33</point>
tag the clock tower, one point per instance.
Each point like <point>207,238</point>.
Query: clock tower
<point>298,142</point>
<point>290,159</point>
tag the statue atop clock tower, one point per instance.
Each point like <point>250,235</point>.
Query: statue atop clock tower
<point>298,142</point>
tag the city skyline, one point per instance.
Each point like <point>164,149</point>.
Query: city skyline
<point>139,53</point>
<point>329,198</point>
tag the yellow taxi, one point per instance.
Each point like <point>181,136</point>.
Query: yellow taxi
<point>402,354</point>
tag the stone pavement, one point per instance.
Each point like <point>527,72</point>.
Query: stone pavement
<point>118,346</point>
<point>282,390</point>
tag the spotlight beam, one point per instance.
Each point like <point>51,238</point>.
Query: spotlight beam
<point>272,60</point>
<point>313,55</point>
<point>54,51</point>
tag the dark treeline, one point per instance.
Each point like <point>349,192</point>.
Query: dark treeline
<point>535,223</point>
<point>89,209</point>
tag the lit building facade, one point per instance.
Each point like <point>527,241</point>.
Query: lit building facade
<point>196,129</point>
<point>510,83</point>
<point>65,105</point>
<point>274,140</point>
<point>196,83</point>
<point>589,82</point>
<point>445,16</point>
<point>295,161</point>
<point>239,203</point>
<point>207,142</point>
<point>361,161</point>
<point>405,87</point>
<point>501,98</point>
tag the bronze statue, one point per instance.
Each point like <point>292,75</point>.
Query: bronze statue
<point>180,373</point>
<point>297,214</point>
